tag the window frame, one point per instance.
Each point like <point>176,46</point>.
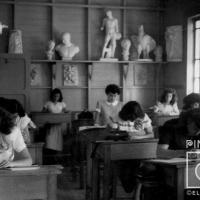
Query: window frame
<point>191,59</point>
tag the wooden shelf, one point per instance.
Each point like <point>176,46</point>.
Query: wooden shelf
<point>97,61</point>
<point>72,5</point>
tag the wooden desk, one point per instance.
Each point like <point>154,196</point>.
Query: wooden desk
<point>175,174</point>
<point>42,118</point>
<point>29,184</point>
<point>160,120</point>
<point>36,151</point>
<point>109,151</point>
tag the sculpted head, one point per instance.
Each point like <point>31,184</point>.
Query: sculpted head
<point>66,38</point>
<point>126,43</point>
<point>108,13</point>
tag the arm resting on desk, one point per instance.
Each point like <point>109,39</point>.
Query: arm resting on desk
<point>22,158</point>
<point>163,151</point>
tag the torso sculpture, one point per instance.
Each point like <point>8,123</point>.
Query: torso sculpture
<point>111,30</point>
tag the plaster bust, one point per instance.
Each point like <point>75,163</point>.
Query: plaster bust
<point>50,50</point>
<point>125,44</point>
<point>66,49</point>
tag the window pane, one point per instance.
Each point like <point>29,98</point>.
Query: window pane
<point>196,68</point>
<point>197,24</point>
<point>196,85</point>
<point>197,43</point>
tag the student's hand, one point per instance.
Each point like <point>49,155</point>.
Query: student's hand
<point>114,126</point>
<point>138,124</point>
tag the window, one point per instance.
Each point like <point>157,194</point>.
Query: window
<point>196,82</point>
<point>193,55</point>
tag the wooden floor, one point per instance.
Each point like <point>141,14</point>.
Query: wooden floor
<point>69,188</point>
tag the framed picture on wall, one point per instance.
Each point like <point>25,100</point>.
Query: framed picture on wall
<point>144,75</point>
<point>70,75</point>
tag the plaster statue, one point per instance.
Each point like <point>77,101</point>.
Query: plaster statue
<point>50,50</point>
<point>2,26</point>
<point>15,42</point>
<point>125,44</point>
<point>158,53</point>
<point>174,43</point>
<point>134,53</point>
<point>110,24</point>
<point>145,43</point>
<point>67,50</point>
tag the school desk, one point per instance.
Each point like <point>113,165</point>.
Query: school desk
<point>29,184</point>
<point>108,151</point>
<point>42,118</point>
<point>174,173</point>
<point>159,120</point>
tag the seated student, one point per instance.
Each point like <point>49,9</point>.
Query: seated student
<point>107,110</point>
<point>190,101</point>
<point>133,119</point>
<point>173,144</point>
<point>13,149</point>
<point>167,104</point>
<point>22,119</point>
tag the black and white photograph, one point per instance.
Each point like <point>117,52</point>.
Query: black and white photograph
<point>99,99</point>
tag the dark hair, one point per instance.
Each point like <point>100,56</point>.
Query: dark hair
<point>56,91</point>
<point>12,106</point>
<point>190,99</point>
<point>167,91</point>
<point>131,111</point>
<point>6,122</point>
<point>193,115</point>
<point>112,88</point>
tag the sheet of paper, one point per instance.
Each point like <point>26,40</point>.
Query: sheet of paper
<point>172,160</point>
<point>24,168</point>
<point>81,128</point>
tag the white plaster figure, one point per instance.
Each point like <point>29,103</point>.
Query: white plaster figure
<point>146,43</point>
<point>67,50</point>
<point>15,42</point>
<point>158,53</point>
<point>110,24</point>
<point>2,26</point>
<point>50,53</point>
<point>125,44</point>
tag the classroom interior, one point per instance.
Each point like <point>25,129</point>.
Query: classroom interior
<point>30,75</point>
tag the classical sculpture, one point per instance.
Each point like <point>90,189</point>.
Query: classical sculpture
<point>2,26</point>
<point>145,43</point>
<point>110,24</point>
<point>158,51</point>
<point>15,42</point>
<point>125,44</point>
<point>174,43</point>
<point>67,50</point>
<point>50,50</point>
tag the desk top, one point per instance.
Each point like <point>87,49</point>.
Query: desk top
<point>173,162</point>
<point>51,118</point>
<point>123,150</point>
<point>43,170</point>
<point>112,142</point>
